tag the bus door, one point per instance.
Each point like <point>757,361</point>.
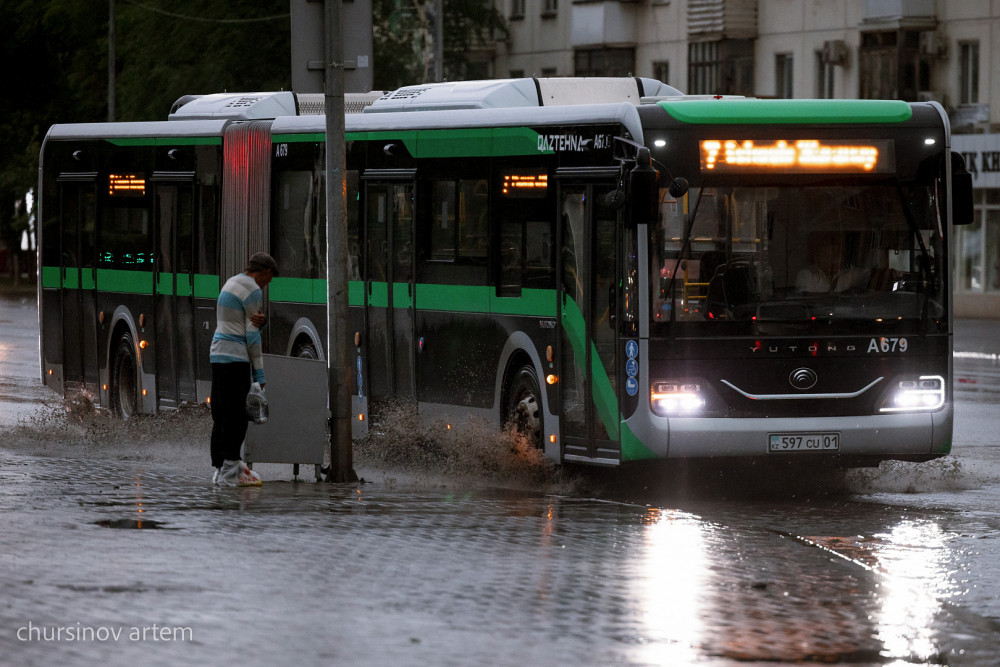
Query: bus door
<point>588,323</point>
<point>78,278</point>
<point>389,288</point>
<point>174,307</point>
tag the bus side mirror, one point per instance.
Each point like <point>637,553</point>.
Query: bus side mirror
<point>962,210</point>
<point>643,193</point>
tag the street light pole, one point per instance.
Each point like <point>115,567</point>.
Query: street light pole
<point>341,447</point>
<point>111,61</point>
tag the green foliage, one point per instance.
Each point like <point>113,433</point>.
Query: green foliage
<point>56,71</point>
<point>403,34</point>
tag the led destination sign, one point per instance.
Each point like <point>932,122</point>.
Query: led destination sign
<point>126,185</point>
<point>525,185</point>
<point>800,156</point>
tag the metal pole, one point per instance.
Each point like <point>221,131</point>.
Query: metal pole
<point>439,40</point>
<point>341,447</point>
<point>111,61</point>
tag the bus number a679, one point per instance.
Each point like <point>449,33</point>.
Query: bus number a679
<point>887,345</point>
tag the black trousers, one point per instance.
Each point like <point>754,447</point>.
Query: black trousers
<point>230,386</point>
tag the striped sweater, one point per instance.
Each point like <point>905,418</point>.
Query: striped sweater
<point>236,339</point>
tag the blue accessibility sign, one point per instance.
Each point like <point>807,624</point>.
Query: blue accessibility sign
<point>631,349</point>
<point>632,368</point>
<point>631,386</point>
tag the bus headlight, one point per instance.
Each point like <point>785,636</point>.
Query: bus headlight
<point>923,394</point>
<point>672,399</point>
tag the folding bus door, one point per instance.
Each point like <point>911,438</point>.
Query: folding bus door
<point>174,289</point>
<point>588,323</point>
<point>78,279</point>
<point>389,287</point>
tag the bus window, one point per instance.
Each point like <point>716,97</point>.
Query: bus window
<point>301,224</point>
<point>827,253</point>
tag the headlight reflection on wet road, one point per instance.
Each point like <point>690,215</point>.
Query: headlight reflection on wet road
<point>913,557</point>
<point>671,586</point>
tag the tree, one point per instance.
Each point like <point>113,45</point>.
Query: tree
<point>55,56</point>
<point>403,34</point>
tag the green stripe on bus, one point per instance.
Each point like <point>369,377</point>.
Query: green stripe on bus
<point>298,290</point>
<point>605,399</point>
<point>117,280</point>
<point>463,142</point>
<point>633,449</point>
<point>756,111</point>
<point>51,277</point>
<point>206,286</point>
<point>165,141</point>
<point>532,302</point>
<point>453,298</point>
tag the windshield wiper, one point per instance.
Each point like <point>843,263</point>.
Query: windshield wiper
<point>685,247</point>
<point>925,262</point>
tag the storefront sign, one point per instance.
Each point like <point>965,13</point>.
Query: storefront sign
<point>982,157</point>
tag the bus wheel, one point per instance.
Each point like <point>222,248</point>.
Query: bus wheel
<point>305,351</point>
<point>124,388</point>
<point>524,406</point>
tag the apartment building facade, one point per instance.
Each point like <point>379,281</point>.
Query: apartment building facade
<point>892,49</point>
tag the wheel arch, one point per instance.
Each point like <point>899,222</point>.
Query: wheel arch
<point>518,351</point>
<point>305,331</point>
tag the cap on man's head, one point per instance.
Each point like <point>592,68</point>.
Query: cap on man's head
<point>260,261</point>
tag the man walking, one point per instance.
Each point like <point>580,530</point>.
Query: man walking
<point>237,361</point>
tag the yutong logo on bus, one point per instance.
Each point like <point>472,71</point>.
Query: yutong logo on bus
<point>875,345</point>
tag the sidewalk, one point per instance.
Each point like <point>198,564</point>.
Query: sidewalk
<point>977,336</point>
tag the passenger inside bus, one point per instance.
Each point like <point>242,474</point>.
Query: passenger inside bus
<point>829,271</point>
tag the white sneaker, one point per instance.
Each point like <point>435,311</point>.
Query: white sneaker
<point>248,477</point>
<point>215,477</point>
<point>228,474</point>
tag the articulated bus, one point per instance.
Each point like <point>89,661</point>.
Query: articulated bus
<point>624,272</point>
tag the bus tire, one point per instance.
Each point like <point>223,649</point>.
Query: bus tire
<point>523,407</point>
<point>305,350</point>
<point>124,386</point>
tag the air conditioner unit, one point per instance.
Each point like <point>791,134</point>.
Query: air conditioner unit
<point>928,96</point>
<point>933,44</point>
<point>835,52</point>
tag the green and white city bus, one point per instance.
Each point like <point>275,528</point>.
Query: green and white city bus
<point>624,272</point>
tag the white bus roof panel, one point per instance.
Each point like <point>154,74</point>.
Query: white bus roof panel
<point>156,128</point>
<point>237,106</point>
<point>622,113</point>
<point>519,93</point>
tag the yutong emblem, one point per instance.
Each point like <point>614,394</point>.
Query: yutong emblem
<point>803,378</point>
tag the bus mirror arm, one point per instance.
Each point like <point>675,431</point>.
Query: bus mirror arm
<point>962,210</point>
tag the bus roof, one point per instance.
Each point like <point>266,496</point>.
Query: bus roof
<point>622,113</point>
<point>510,93</point>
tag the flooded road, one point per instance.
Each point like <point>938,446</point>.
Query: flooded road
<point>115,548</point>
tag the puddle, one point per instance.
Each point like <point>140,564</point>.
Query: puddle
<point>144,524</point>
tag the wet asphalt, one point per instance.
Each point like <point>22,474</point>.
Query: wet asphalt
<point>116,549</point>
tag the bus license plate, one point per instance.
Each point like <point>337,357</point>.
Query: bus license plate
<point>804,442</point>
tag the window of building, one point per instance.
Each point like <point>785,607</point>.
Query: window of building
<point>703,68</point>
<point>977,246</point>
<point>783,63</point>
<point>549,71</point>
<point>661,71</point>
<point>604,62</point>
<point>723,67</point>
<point>969,72</point>
<point>516,9</point>
<point>517,74</point>
<point>824,78</point>
<point>891,66</point>
<point>549,8</point>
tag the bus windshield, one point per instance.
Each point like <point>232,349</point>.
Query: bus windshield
<point>789,259</point>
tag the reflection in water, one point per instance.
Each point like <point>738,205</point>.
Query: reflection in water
<point>914,558</point>
<point>670,586</point>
